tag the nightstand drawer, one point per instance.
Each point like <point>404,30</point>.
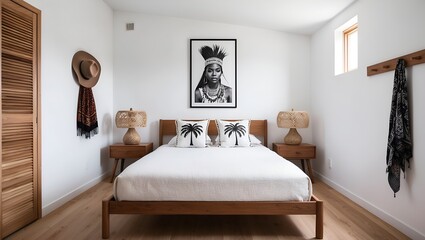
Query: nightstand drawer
<point>300,153</point>
<point>303,151</point>
<point>129,151</point>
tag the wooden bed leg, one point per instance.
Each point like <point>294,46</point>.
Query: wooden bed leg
<point>105,219</point>
<point>319,220</point>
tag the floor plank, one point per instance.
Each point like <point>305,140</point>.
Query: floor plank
<point>81,219</point>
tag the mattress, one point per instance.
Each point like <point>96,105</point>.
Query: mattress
<point>212,174</point>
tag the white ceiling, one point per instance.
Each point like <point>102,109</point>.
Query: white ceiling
<point>296,16</point>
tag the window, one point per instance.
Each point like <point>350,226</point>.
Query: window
<point>350,48</point>
<point>346,47</point>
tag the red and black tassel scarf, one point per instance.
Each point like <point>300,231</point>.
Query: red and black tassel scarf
<point>86,113</point>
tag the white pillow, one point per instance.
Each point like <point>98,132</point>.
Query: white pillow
<point>233,133</point>
<point>252,138</point>
<point>173,141</point>
<point>191,133</point>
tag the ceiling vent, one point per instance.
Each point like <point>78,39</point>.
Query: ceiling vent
<point>130,26</point>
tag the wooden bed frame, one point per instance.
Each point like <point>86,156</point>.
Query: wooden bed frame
<point>257,128</point>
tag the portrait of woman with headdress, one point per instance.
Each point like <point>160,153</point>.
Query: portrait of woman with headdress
<point>210,88</point>
<point>213,89</point>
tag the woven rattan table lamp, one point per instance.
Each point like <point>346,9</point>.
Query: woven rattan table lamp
<point>292,120</point>
<point>130,119</point>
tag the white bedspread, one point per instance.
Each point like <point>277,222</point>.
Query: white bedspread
<point>212,174</point>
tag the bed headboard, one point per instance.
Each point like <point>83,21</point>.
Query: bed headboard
<point>168,128</point>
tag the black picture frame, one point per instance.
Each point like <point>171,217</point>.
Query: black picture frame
<point>226,95</point>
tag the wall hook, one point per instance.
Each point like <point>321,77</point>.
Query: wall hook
<point>410,59</point>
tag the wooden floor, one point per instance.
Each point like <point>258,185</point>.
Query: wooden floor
<point>81,219</point>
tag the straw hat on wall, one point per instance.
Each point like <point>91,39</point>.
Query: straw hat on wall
<point>86,68</point>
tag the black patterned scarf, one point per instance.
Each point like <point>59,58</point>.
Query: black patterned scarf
<point>86,113</point>
<point>399,148</point>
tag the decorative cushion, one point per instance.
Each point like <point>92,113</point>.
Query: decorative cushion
<point>252,138</point>
<point>191,133</point>
<point>233,133</point>
<point>173,141</point>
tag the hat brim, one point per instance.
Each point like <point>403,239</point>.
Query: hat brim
<point>76,61</point>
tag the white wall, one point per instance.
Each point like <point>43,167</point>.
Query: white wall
<point>351,111</point>
<point>151,71</point>
<point>71,164</point>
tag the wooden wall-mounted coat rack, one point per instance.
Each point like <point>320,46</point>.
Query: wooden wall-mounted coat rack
<point>411,59</point>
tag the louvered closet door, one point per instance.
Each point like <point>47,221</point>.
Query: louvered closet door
<point>20,203</point>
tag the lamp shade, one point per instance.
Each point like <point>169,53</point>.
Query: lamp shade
<point>293,119</point>
<point>130,119</point>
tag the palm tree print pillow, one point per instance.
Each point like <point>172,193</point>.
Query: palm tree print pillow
<point>233,133</point>
<point>191,133</point>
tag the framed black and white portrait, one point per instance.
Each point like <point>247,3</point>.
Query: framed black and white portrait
<point>213,73</point>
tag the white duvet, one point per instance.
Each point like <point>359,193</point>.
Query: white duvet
<point>212,174</point>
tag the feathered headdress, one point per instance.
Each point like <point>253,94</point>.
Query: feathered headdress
<point>213,55</point>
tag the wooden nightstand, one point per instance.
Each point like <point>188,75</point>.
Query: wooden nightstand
<point>121,152</point>
<point>301,152</point>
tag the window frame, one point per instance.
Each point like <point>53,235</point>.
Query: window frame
<point>347,32</point>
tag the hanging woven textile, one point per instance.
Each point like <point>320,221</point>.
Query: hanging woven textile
<point>86,113</point>
<point>399,148</point>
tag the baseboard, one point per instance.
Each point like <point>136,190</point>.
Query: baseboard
<point>402,227</point>
<point>68,197</point>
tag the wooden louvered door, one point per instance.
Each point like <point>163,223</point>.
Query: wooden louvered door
<point>20,136</point>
